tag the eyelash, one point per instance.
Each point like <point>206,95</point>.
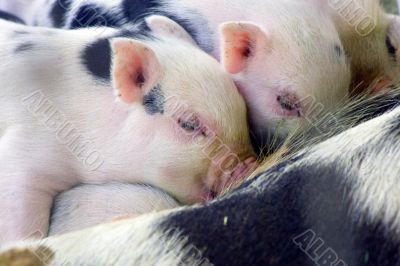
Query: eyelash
<point>189,126</point>
<point>192,125</point>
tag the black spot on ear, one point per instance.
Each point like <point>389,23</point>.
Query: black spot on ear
<point>59,12</point>
<point>154,101</point>
<point>94,16</point>
<point>24,47</point>
<point>10,17</point>
<point>390,48</point>
<point>97,59</point>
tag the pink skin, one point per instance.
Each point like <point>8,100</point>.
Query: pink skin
<point>274,96</point>
<point>136,147</point>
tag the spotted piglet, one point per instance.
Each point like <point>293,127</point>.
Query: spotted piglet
<point>285,56</point>
<point>99,105</point>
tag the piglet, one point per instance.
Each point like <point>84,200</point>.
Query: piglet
<point>100,105</point>
<point>285,56</point>
<point>371,39</point>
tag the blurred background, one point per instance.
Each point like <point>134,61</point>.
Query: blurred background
<point>390,5</point>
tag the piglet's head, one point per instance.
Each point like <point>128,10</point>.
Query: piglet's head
<point>284,66</point>
<point>187,116</point>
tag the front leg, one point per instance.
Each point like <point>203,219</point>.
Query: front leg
<point>30,177</point>
<point>25,204</point>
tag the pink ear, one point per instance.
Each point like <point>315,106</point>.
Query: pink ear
<point>135,69</point>
<point>240,41</point>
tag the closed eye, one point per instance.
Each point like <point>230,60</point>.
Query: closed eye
<point>189,125</point>
<point>193,125</point>
<point>390,47</point>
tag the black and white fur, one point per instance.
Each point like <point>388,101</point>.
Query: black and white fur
<point>336,203</point>
<point>272,81</point>
<point>59,108</point>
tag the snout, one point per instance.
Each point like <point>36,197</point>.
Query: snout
<point>221,177</point>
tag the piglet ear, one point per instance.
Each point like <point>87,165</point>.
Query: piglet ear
<point>240,42</point>
<point>164,26</point>
<point>136,69</point>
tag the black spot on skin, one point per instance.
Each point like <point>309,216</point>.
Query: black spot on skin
<point>10,17</point>
<point>154,101</point>
<point>390,48</point>
<point>24,47</point>
<point>251,227</point>
<point>136,10</point>
<point>257,223</point>
<point>97,59</point>
<point>59,12</point>
<point>91,15</point>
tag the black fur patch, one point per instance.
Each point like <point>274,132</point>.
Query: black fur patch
<point>59,12</point>
<point>259,224</point>
<point>97,59</point>
<point>24,47</point>
<point>93,16</point>
<point>154,101</point>
<point>136,10</point>
<point>10,17</point>
<point>254,226</point>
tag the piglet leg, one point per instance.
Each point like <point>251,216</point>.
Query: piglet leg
<point>24,209</point>
<point>26,194</point>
